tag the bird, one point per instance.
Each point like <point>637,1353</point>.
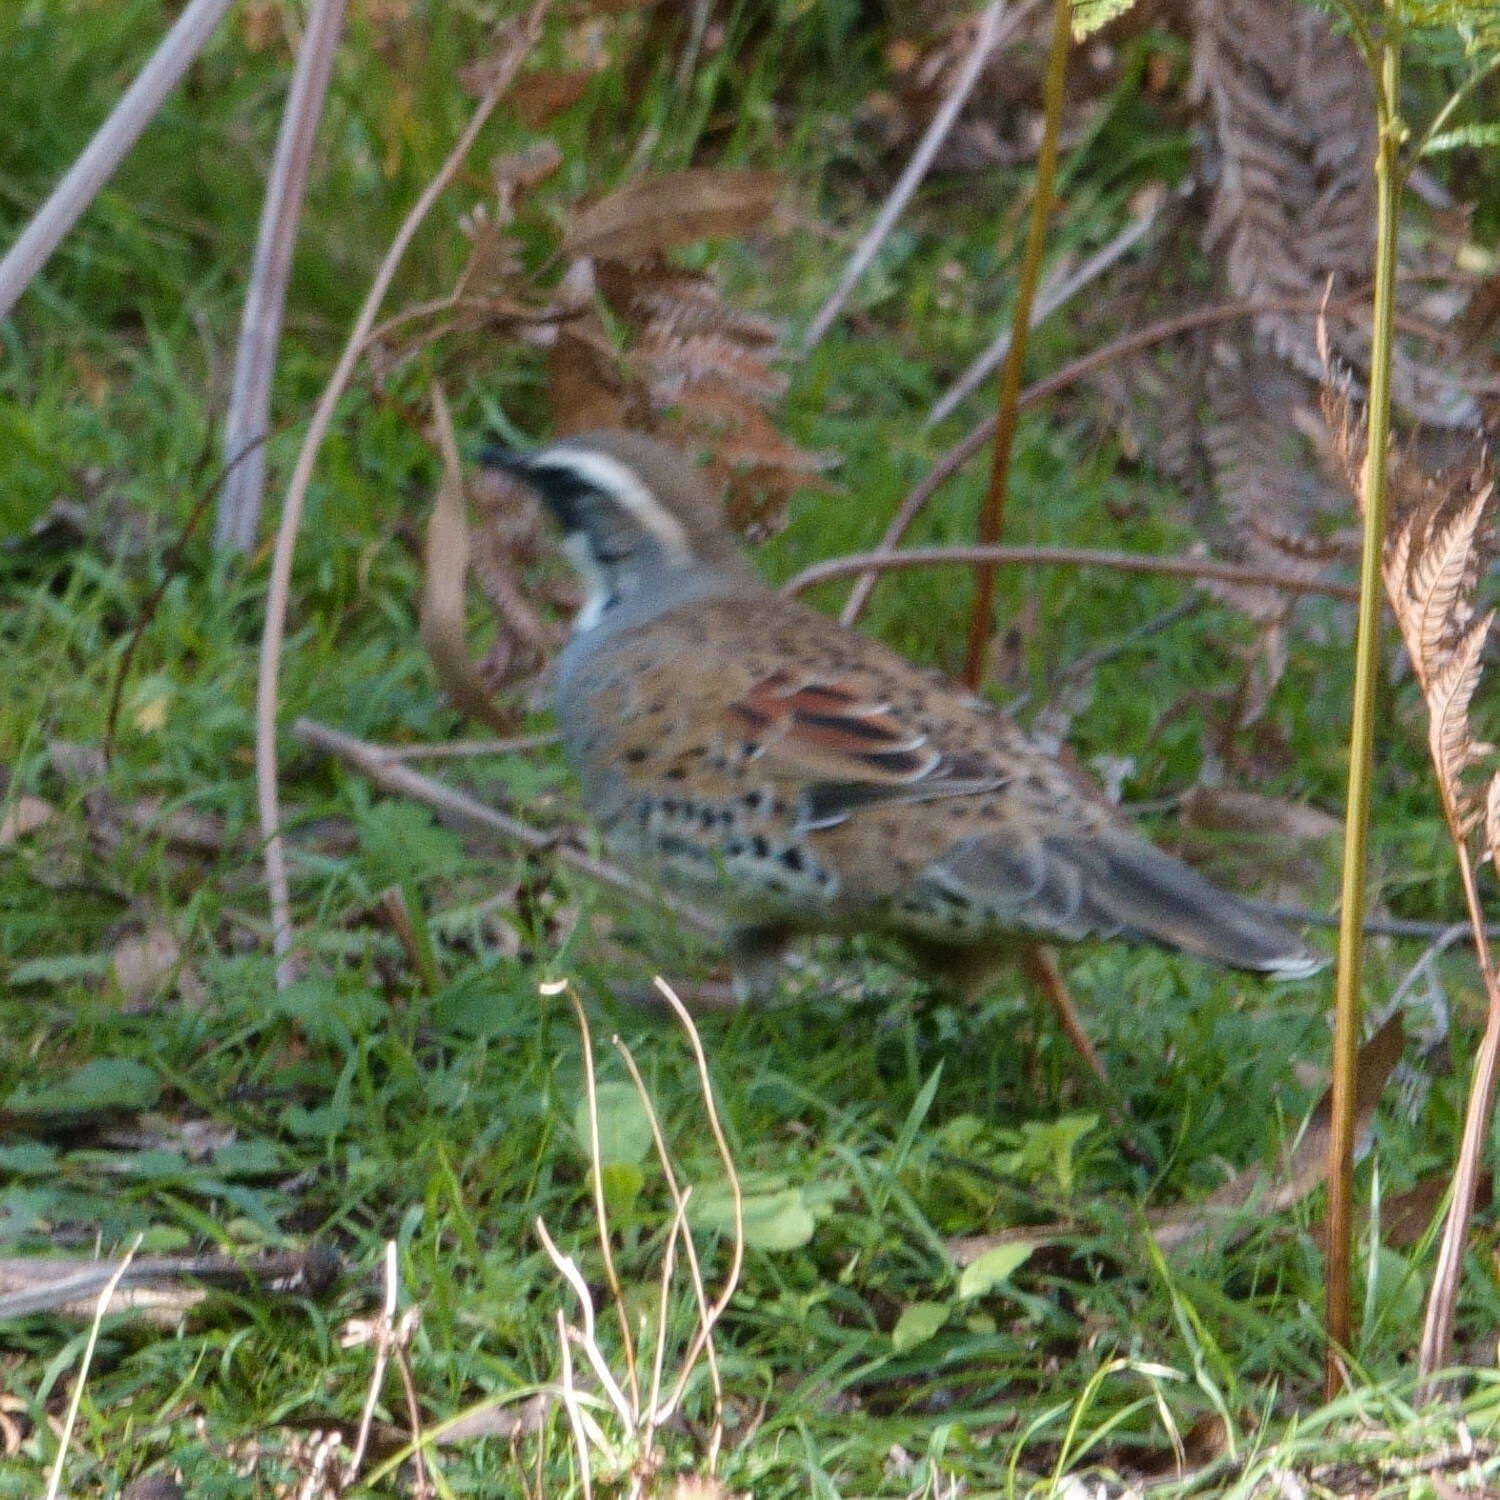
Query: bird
<point>795,777</point>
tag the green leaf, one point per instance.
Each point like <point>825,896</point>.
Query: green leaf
<point>472,1005</point>
<point>917,1324</point>
<point>106,1083</point>
<point>329,1011</point>
<point>776,1218</point>
<point>61,970</point>
<point>1090,15</point>
<point>624,1126</point>
<point>993,1269</point>
<point>28,1159</point>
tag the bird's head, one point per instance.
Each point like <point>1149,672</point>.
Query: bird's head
<point>633,511</point>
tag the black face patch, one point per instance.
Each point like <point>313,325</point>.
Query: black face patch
<point>566,495</point>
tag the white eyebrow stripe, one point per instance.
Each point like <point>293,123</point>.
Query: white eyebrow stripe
<point>621,483</point>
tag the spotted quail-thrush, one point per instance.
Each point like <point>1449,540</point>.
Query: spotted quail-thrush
<point>797,777</point>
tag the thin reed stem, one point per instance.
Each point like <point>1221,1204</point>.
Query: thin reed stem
<point>992,515</point>
<point>1338,1310</point>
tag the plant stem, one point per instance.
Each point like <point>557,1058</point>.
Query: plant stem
<point>1337,1311</point>
<point>992,515</point>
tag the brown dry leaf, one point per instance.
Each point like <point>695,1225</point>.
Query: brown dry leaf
<point>25,815</point>
<point>586,387</point>
<point>154,1486</point>
<point>655,214</point>
<point>518,171</point>
<point>1301,1171</point>
<point>444,605</point>
<point>520,1420</point>
<point>537,98</point>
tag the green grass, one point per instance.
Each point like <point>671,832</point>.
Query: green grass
<point>358,1108</point>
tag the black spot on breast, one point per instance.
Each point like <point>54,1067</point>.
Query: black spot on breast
<point>761,846</point>
<point>792,859</point>
<point>636,756</point>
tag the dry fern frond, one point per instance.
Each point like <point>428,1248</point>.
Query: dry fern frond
<point>661,350</point>
<point>1293,211</point>
<point>1449,693</point>
<point>1292,112</point>
<point>1438,547</point>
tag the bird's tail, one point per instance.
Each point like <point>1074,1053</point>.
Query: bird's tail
<point>1157,897</point>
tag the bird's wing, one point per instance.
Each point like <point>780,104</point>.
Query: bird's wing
<point>847,747</point>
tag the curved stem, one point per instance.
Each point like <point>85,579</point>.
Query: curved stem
<point>1442,1304</point>
<point>992,516</point>
<point>1066,557</point>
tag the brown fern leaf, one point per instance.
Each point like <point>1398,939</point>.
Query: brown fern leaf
<point>1434,601</point>
<point>679,303</point>
<point>671,364</point>
<point>1291,106</point>
<point>1454,749</point>
<point>704,374</point>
